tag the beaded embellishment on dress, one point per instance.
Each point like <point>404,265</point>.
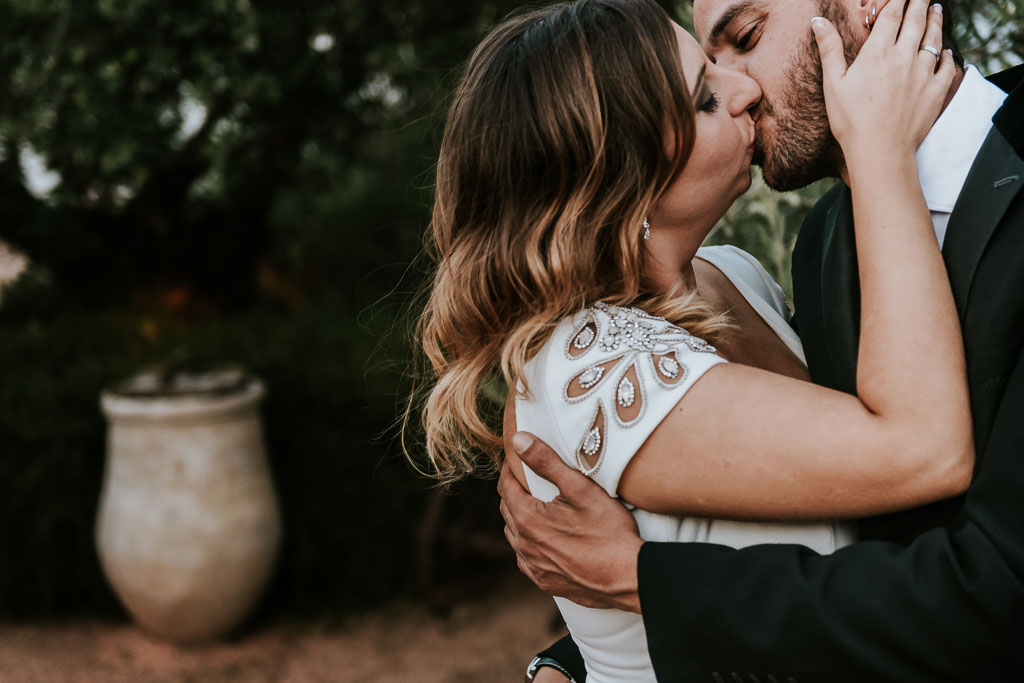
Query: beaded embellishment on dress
<point>634,338</point>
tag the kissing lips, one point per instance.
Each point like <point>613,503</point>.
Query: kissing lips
<point>757,158</point>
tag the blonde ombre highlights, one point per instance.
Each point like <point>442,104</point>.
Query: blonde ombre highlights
<point>568,125</point>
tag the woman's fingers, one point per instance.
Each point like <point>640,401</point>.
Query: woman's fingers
<point>887,26</point>
<point>932,37</point>
<point>943,78</point>
<point>915,23</point>
<point>830,46</point>
<point>947,71</point>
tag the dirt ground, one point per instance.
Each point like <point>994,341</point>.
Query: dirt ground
<point>488,640</point>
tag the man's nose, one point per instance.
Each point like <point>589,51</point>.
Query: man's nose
<point>746,93</point>
<point>727,59</point>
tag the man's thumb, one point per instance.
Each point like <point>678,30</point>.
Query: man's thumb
<point>522,441</point>
<point>545,462</point>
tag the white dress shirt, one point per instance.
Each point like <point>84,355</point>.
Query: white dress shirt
<point>945,157</point>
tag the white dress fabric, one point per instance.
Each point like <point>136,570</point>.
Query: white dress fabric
<point>597,390</point>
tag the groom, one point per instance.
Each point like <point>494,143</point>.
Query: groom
<point>931,594</point>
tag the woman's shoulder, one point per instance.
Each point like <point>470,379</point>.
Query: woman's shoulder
<point>605,379</point>
<point>747,273</point>
<point>604,331</point>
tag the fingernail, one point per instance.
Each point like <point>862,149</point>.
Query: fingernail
<point>521,441</point>
<point>937,9</point>
<point>817,23</point>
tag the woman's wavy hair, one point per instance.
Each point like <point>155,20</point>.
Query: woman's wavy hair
<point>567,126</point>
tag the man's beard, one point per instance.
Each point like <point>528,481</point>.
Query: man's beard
<point>801,148</point>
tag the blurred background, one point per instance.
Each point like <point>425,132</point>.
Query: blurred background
<point>251,181</point>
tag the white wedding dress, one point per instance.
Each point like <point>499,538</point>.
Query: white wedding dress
<point>598,388</point>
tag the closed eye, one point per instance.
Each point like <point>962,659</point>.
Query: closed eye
<point>709,102</point>
<point>746,38</point>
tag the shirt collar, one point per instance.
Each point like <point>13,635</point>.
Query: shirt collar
<point>945,157</point>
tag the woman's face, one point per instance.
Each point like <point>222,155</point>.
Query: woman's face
<point>718,170</point>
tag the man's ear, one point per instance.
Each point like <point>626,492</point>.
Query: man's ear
<point>868,11</point>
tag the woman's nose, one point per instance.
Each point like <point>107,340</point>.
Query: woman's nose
<point>744,92</point>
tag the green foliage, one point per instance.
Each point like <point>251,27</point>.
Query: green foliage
<point>765,223</point>
<point>991,34</point>
<point>181,132</point>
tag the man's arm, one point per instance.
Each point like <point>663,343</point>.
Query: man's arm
<point>947,607</point>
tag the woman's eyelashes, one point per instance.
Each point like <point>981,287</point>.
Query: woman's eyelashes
<point>709,101</point>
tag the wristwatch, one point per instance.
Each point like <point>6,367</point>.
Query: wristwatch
<point>539,663</point>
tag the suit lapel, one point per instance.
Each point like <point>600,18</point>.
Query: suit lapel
<point>995,179</point>
<point>840,292</point>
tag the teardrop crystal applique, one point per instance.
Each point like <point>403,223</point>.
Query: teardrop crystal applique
<point>669,367</point>
<point>629,397</point>
<point>582,338</point>
<point>699,345</point>
<point>637,352</point>
<point>669,370</point>
<point>626,395</point>
<point>591,451</point>
<point>592,443</point>
<point>589,379</point>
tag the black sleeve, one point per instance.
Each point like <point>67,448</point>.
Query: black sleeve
<point>950,606</point>
<point>566,653</point>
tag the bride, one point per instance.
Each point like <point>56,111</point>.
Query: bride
<point>589,150</point>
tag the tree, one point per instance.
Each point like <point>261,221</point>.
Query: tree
<point>172,132</point>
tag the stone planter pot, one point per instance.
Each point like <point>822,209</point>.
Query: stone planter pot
<point>188,528</point>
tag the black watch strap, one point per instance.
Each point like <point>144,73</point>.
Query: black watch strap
<point>539,663</point>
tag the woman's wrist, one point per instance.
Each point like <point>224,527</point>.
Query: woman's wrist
<point>869,167</point>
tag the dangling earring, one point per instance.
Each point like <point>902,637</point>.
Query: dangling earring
<point>647,230</point>
<point>869,19</point>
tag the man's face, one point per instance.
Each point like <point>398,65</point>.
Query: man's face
<point>771,41</point>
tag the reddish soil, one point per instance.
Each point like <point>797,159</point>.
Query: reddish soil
<point>488,640</point>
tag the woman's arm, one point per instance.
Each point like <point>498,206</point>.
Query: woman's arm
<point>744,443</point>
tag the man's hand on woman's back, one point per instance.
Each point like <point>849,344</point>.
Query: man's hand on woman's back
<point>583,545</point>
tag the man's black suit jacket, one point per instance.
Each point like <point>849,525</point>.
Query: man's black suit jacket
<point>943,597</point>
<point>940,595</point>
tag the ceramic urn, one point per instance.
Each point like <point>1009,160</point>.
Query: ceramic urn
<point>188,527</point>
